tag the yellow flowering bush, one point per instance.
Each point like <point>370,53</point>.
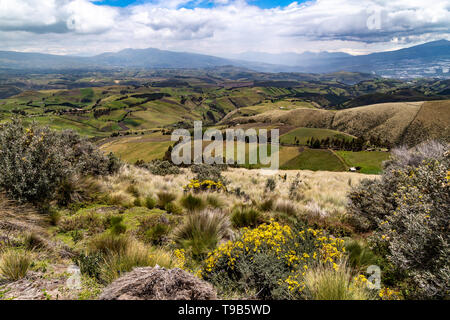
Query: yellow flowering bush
<point>205,185</point>
<point>271,260</point>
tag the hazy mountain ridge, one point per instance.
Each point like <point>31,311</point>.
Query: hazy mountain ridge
<point>428,60</point>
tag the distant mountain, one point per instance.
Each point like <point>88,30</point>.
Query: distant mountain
<point>428,60</point>
<point>291,59</point>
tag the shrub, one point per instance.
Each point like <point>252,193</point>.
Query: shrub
<point>150,203</point>
<point>271,184</point>
<point>192,203</point>
<point>35,161</point>
<point>411,204</point>
<point>165,197</point>
<point>270,261</point>
<point>244,216</point>
<point>14,264</point>
<point>162,168</point>
<point>206,185</point>
<point>202,231</point>
<point>89,264</point>
<point>208,172</point>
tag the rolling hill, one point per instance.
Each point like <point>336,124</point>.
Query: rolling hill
<point>397,123</point>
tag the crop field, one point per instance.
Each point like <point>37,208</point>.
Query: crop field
<point>369,161</point>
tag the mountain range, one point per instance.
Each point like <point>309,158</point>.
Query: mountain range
<point>427,60</point>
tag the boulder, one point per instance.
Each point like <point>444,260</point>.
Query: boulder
<point>158,284</point>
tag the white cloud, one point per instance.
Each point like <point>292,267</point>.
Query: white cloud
<point>357,26</point>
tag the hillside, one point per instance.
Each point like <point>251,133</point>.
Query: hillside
<point>400,122</point>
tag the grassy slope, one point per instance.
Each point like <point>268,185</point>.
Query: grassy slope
<point>303,134</point>
<point>315,160</point>
<point>369,161</point>
<point>389,121</point>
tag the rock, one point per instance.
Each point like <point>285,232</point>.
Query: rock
<point>158,284</point>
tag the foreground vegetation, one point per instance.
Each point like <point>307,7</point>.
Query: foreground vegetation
<point>291,235</point>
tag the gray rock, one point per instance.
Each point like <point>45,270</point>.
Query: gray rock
<point>158,284</point>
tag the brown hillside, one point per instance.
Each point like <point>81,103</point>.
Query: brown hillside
<point>399,122</point>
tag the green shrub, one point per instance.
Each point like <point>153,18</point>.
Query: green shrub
<point>14,264</point>
<point>205,172</point>
<point>202,231</point>
<point>244,216</point>
<point>150,203</point>
<point>270,261</point>
<point>35,161</point>
<point>192,203</point>
<point>410,217</point>
<point>165,197</point>
<point>90,264</point>
<point>271,184</point>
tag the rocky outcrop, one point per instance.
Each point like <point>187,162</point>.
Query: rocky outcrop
<point>158,284</point>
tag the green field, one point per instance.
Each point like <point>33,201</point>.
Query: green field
<point>304,134</point>
<point>369,161</point>
<point>315,160</point>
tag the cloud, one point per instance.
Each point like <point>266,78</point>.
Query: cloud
<point>229,26</point>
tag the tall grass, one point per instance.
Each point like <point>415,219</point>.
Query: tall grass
<point>202,231</point>
<point>165,197</point>
<point>14,264</point>
<point>326,283</point>
<point>244,216</point>
<point>193,203</point>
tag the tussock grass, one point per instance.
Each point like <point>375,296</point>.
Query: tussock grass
<point>202,231</point>
<point>326,283</point>
<point>244,216</point>
<point>14,264</point>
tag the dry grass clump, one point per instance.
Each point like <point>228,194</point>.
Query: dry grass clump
<point>286,206</point>
<point>14,264</point>
<point>165,197</point>
<point>328,283</point>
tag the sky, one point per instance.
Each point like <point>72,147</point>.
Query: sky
<point>220,27</point>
